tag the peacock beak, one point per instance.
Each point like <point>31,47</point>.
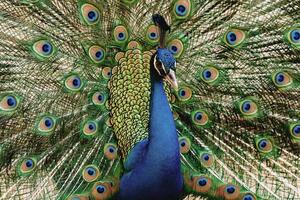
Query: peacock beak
<point>171,78</point>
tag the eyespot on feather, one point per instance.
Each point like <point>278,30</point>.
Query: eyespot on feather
<point>200,117</point>
<point>73,83</point>
<point>247,196</point>
<point>97,54</point>
<point>101,191</point>
<point>90,173</point>
<point>248,107</point>
<point>210,74</point>
<point>282,79</point>
<point>231,192</point>
<point>45,125</point>
<point>90,128</point>
<point>184,93</point>
<point>294,130</point>
<point>264,145</point>
<point>90,14</point>
<point>293,36</point>
<point>234,37</point>
<point>202,184</point>
<point>152,34</point>
<point>9,102</point>
<point>184,145</point>
<point>43,49</point>
<point>176,47</point>
<point>120,34</point>
<point>99,98</point>
<point>106,73</point>
<point>182,9</point>
<point>207,159</point>
<point>27,165</point>
<point>110,151</point>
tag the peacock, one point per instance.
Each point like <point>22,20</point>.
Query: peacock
<point>150,100</point>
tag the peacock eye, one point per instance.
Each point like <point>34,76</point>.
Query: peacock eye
<point>9,103</point>
<point>73,83</point>
<point>210,74</point>
<point>264,145</point>
<point>202,184</point>
<point>101,190</point>
<point>110,151</point>
<point>152,34</point>
<point>90,127</point>
<point>200,117</point>
<point>231,192</point>
<point>90,173</point>
<point>184,145</point>
<point>176,47</point>
<point>120,34</point>
<point>90,14</point>
<point>97,54</point>
<point>207,159</point>
<point>43,48</point>
<point>248,107</point>
<point>106,72</point>
<point>294,36</point>
<point>234,37</point>
<point>182,9</point>
<point>99,98</point>
<point>295,131</point>
<point>282,79</point>
<point>184,93</point>
<point>27,166</point>
<point>46,124</point>
<point>249,197</point>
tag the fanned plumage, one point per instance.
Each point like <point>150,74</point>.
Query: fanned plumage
<point>75,92</point>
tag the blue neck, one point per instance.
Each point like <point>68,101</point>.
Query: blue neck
<point>163,140</point>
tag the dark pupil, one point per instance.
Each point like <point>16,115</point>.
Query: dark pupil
<point>108,73</point>
<point>206,157</point>
<point>248,198</point>
<point>202,182</point>
<point>75,82</point>
<point>232,37</point>
<point>91,127</point>
<point>100,189</point>
<point>296,35</point>
<point>10,101</point>
<point>198,116</point>
<point>182,144</point>
<point>92,14</point>
<point>48,122</point>
<point>152,34</point>
<point>182,93</point>
<point>111,150</point>
<point>100,98</point>
<point>28,164</point>
<point>121,35</point>
<point>181,8</point>
<point>297,129</point>
<point>46,47</point>
<point>207,74</point>
<point>98,54</point>
<point>280,78</point>
<point>174,48</point>
<point>230,190</point>
<point>263,144</point>
<point>247,106</point>
<point>90,172</point>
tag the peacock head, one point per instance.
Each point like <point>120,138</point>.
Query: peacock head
<point>164,61</point>
<point>165,65</point>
